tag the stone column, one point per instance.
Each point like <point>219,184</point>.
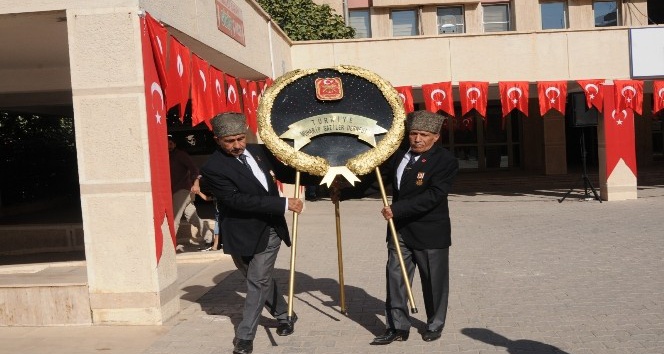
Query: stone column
<point>126,283</point>
<point>617,151</point>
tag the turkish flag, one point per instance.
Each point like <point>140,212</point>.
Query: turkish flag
<point>218,91</point>
<point>162,206</point>
<point>473,94</point>
<point>514,94</point>
<point>179,76</point>
<point>658,95</point>
<point>629,94</point>
<point>268,82</point>
<point>594,90</point>
<point>438,96</point>
<point>619,139</point>
<point>248,103</point>
<point>158,40</point>
<point>552,95</point>
<point>232,95</point>
<point>201,92</point>
<point>406,94</point>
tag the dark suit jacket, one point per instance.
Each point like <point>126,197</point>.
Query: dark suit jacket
<point>246,209</point>
<point>420,209</point>
<point>419,206</point>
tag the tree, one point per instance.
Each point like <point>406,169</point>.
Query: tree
<point>303,20</point>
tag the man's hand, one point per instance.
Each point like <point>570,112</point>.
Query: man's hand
<point>196,187</point>
<point>387,213</point>
<point>295,205</point>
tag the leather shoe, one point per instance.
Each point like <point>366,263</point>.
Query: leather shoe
<point>243,346</point>
<point>390,336</point>
<point>287,328</point>
<point>430,335</point>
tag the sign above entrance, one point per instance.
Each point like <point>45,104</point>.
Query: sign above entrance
<point>229,20</point>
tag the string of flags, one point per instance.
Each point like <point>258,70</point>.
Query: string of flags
<point>185,75</point>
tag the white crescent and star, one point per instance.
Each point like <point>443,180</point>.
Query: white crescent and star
<point>619,121</point>
<point>202,74</point>
<point>438,91</point>
<point>660,93</point>
<point>473,89</point>
<point>628,88</point>
<point>517,90</point>
<point>179,66</point>
<point>217,87</point>
<point>590,94</point>
<point>155,87</point>
<point>231,90</point>
<point>403,97</point>
<point>552,89</point>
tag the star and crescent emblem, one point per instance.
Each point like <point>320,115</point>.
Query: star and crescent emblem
<point>514,100</point>
<point>552,89</point>
<point>591,95</point>
<point>473,100</point>
<point>619,121</point>
<point>438,92</point>
<point>155,87</point>
<point>626,89</point>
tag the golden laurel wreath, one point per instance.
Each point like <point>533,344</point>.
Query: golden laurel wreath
<point>361,164</point>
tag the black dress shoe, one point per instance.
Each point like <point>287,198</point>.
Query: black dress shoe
<point>429,335</point>
<point>390,336</point>
<point>287,328</point>
<point>243,346</point>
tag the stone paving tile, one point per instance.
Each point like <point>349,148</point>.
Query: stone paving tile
<point>528,275</point>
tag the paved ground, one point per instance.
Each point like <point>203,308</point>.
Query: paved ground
<point>528,275</point>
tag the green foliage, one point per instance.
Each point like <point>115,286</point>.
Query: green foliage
<point>303,20</point>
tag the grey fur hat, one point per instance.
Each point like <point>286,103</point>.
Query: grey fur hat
<point>226,124</point>
<point>425,121</point>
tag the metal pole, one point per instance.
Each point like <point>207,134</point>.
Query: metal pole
<point>340,259</point>
<point>291,281</point>
<point>395,239</point>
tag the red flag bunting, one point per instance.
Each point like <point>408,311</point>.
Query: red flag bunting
<point>157,145</point>
<point>658,95</point>
<point>473,94</point>
<point>201,92</point>
<point>629,94</point>
<point>438,96</point>
<point>158,40</point>
<point>179,76</point>
<point>218,91</point>
<point>406,94</point>
<point>552,95</point>
<point>594,90</point>
<point>619,136</point>
<point>514,94</point>
<point>232,95</point>
<point>248,103</point>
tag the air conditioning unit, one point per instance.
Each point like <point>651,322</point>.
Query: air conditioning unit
<point>447,28</point>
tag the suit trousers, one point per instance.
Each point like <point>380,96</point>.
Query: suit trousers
<point>262,289</point>
<point>433,266</point>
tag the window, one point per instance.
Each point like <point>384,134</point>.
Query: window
<point>450,19</point>
<point>496,18</point>
<point>554,15</point>
<point>606,13</point>
<point>404,23</point>
<point>361,22</point>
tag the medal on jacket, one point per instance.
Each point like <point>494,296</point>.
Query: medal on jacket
<point>274,178</point>
<point>420,178</point>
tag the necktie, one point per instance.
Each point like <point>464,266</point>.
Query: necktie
<point>243,159</point>
<point>408,167</point>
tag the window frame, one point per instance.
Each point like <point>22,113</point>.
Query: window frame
<point>456,24</point>
<point>416,25</point>
<point>565,14</point>
<point>507,6</point>
<point>618,4</point>
<point>368,17</point>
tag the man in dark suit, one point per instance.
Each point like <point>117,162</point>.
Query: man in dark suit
<point>252,224</point>
<point>421,179</point>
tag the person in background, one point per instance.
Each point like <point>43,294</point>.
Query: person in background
<point>184,186</point>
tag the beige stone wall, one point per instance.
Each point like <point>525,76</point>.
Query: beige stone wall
<point>557,55</point>
<point>126,284</point>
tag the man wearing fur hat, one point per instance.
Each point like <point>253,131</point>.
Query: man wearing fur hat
<point>242,178</point>
<point>421,178</point>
